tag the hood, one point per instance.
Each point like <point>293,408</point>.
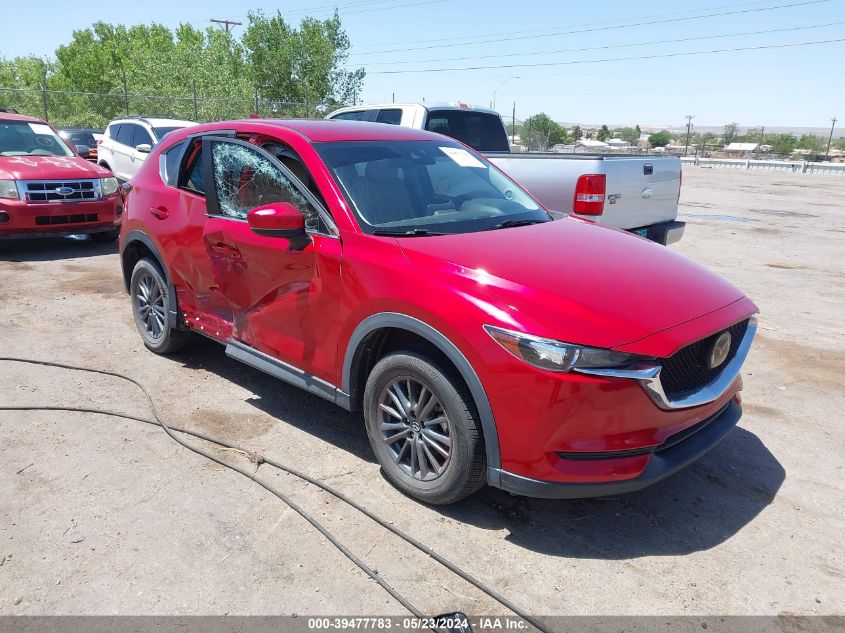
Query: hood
<point>49,168</point>
<point>574,281</point>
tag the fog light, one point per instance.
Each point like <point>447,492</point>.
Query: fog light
<point>118,209</point>
<point>5,217</point>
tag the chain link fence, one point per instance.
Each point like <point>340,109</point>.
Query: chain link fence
<point>94,110</point>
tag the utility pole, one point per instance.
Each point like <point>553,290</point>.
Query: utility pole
<point>513,125</point>
<point>689,119</point>
<point>760,144</point>
<point>830,138</point>
<point>227,24</point>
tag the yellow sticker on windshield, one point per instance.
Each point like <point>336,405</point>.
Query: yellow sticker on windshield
<point>462,157</point>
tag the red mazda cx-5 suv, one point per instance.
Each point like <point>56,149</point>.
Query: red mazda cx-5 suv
<point>397,272</point>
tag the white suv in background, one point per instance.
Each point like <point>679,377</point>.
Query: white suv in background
<point>127,142</point>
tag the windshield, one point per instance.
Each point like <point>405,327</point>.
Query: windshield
<point>161,131</point>
<point>435,186</point>
<point>482,131</point>
<point>23,138</point>
<point>79,137</point>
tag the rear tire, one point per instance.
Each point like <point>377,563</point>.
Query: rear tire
<point>106,236</point>
<point>150,296</point>
<point>424,428</point>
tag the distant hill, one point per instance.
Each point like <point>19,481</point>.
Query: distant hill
<point>838,132</point>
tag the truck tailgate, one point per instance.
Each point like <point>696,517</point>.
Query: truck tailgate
<point>641,191</point>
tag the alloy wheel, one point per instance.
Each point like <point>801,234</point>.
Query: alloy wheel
<point>415,428</point>
<point>149,304</point>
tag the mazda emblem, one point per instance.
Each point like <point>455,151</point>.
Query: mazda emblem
<point>719,351</point>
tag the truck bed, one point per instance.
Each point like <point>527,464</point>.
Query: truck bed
<point>640,190</point>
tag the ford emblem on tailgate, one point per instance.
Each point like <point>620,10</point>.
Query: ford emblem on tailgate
<point>64,191</point>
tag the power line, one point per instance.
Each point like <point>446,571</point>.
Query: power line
<point>609,46</point>
<point>607,59</point>
<point>572,32</point>
<point>645,17</point>
<point>355,5</point>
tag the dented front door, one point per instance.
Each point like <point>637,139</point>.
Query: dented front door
<point>283,296</point>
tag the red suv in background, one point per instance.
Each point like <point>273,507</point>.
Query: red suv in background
<point>47,189</point>
<point>398,272</point>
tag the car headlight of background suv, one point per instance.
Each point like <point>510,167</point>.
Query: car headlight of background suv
<point>8,190</point>
<point>108,186</point>
<point>551,355</point>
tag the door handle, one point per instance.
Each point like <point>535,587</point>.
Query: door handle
<point>228,250</point>
<point>160,212</point>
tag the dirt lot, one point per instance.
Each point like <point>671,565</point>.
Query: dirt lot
<point>104,516</point>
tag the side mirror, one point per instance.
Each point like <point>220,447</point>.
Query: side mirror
<point>83,150</point>
<point>279,219</point>
<point>144,148</point>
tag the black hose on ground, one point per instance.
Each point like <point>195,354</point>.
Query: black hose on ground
<point>172,430</point>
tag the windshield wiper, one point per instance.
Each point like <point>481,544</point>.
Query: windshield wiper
<point>409,233</point>
<point>511,223</point>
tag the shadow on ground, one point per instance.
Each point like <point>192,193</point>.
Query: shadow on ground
<point>53,248</point>
<point>694,510</point>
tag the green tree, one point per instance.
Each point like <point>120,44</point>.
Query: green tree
<point>629,134</point>
<point>811,142</point>
<point>576,132</point>
<point>304,64</point>
<point>603,133</point>
<point>729,133</point>
<point>782,144</point>
<point>540,132</point>
<point>660,139</point>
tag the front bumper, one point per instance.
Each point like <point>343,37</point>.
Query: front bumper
<point>675,453</point>
<point>21,219</point>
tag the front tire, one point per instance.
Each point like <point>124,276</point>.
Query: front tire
<point>424,428</point>
<point>150,296</point>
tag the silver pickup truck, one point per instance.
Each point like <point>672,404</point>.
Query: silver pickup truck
<point>636,193</point>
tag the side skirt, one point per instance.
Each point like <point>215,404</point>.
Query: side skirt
<point>290,374</point>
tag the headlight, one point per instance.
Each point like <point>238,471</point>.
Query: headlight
<point>108,186</point>
<point>551,355</point>
<point>8,189</point>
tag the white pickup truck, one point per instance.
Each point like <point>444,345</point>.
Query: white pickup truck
<point>636,193</point>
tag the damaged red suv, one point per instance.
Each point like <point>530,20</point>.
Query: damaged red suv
<point>48,189</point>
<point>397,272</point>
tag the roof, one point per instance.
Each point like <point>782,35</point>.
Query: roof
<point>8,116</point>
<point>617,141</point>
<point>588,142</point>
<point>155,121</point>
<point>741,147</point>
<point>432,105</point>
<point>323,130</point>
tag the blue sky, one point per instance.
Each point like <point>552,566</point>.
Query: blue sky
<point>800,86</point>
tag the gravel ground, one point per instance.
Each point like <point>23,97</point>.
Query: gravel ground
<point>104,516</point>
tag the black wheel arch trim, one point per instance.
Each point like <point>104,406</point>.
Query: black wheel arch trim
<point>451,351</point>
<point>173,316</point>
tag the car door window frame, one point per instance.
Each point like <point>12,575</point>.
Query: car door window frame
<point>140,129</point>
<point>213,205</point>
<point>130,127</point>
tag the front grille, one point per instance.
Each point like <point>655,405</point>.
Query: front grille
<point>77,218</point>
<point>46,191</point>
<point>687,370</point>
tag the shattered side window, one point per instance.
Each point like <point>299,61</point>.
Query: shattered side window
<point>245,180</point>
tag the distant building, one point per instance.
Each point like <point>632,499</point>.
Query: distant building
<point>739,150</point>
<point>618,143</point>
<point>590,145</point>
